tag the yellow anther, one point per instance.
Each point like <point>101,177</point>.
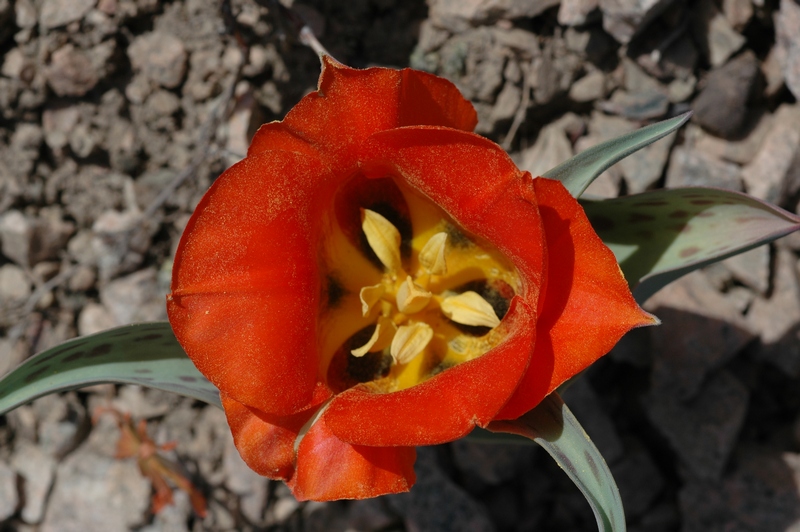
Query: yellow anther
<point>370,295</point>
<point>411,297</point>
<point>383,238</point>
<point>432,255</point>
<point>381,338</point>
<point>470,308</point>
<point>409,341</point>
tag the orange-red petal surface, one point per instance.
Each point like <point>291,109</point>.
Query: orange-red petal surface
<point>330,469</point>
<point>475,181</point>
<point>446,406</point>
<point>351,105</point>
<point>586,308</point>
<point>247,261</point>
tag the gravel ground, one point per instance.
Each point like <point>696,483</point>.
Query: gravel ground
<point>116,115</point>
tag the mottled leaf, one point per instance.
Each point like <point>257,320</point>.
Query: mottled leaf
<point>578,172</point>
<point>553,426</point>
<point>147,354</point>
<point>659,236</point>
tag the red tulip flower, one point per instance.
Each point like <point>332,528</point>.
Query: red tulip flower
<point>373,277</point>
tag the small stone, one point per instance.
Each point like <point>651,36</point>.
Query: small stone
<point>589,88</point>
<point>246,483</point>
<point>370,514</point>
<point>15,287</point>
<point>71,72</point>
<point>765,175</point>
<point>721,107</point>
<point>639,482</point>
<point>55,13</point>
<point>552,147</point>
<point>459,15</point>
<point>625,18</point>
<point>787,28</point>
<point>488,465</point>
<point>507,103</point>
<point>680,90</point>
<point>37,468</point>
<point>637,106</point>
<point>587,407</point>
<point>693,168</point>
<point>95,492</point>
<point>59,120</point>
<point>134,298</point>
<point>25,14</point>
<point>761,494</point>
<point>738,13</point>
<point>161,57</point>
<point>703,431</point>
<point>751,268</point>
<point>772,68</point>
<point>718,40</point>
<point>776,319</point>
<point>436,503</point>
<point>9,498</point>
<point>576,12</point>
<point>118,242</point>
<point>737,151</point>
<point>687,347</point>
<point>94,318</point>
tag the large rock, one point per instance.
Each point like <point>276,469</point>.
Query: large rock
<point>722,105</point>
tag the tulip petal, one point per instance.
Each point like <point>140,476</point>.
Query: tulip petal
<point>330,469</point>
<point>586,308</point>
<point>248,258</point>
<point>475,182</point>
<point>265,443</point>
<point>445,407</point>
<point>350,105</point>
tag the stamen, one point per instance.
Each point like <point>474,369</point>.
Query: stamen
<point>411,297</point>
<point>381,338</point>
<point>369,296</point>
<point>383,238</point>
<point>410,341</point>
<point>469,308</point>
<point>432,255</point>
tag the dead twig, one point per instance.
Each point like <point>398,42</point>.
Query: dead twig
<point>522,110</point>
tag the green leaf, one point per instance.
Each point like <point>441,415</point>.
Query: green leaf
<point>659,236</point>
<point>578,172</point>
<point>147,354</point>
<point>553,426</point>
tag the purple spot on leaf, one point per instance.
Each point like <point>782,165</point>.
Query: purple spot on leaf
<point>688,252</point>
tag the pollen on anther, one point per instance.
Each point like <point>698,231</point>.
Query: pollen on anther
<point>409,341</point>
<point>469,308</point>
<point>383,238</point>
<point>432,257</point>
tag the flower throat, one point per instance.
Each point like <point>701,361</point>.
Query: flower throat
<point>407,293</point>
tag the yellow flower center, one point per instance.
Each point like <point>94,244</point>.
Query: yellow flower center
<point>407,292</point>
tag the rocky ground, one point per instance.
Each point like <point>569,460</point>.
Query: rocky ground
<point>116,115</point>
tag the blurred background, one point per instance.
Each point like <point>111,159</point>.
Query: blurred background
<point>116,115</point>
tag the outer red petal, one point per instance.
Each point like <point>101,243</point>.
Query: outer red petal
<point>246,264</point>
<point>330,469</point>
<point>350,105</point>
<point>266,442</point>
<point>586,308</point>
<point>476,182</point>
<point>448,405</point>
